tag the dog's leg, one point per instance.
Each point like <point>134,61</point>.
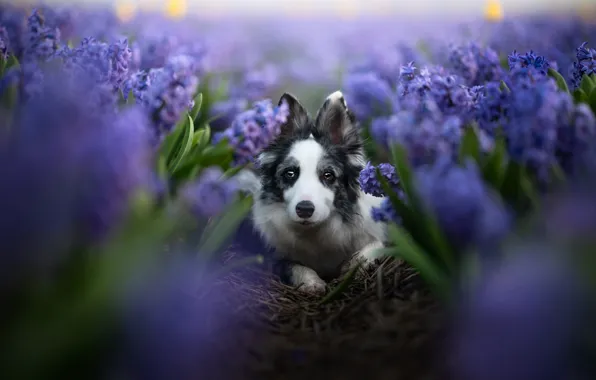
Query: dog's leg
<point>305,278</point>
<point>365,257</point>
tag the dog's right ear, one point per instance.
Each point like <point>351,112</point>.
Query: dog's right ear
<point>297,117</point>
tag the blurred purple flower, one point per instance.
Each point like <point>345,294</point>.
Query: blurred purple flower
<point>68,173</point>
<point>106,63</point>
<point>211,192</point>
<point>584,65</point>
<point>225,111</point>
<point>476,64</point>
<point>575,140</point>
<point>176,324</point>
<point>412,81</point>
<point>256,84</point>
<point>519,322</point>
<point>368,95</point>
<point>492,107</point>
<point>252,130</point>
<point>4,43</point>
<point>119,55</point>
<point>535,115</point>
<point>467,211</point>
<point>40,42</point>
<point>424,132</point>
<point>155,51</point>
<point>14,19</point>
<point>386,213</point>
<point>530,59</point>
<point>172,92</point>
<point>369,181</point>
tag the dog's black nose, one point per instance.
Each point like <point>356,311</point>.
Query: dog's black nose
<point>305,209</point>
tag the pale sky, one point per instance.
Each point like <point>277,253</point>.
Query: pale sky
<point>464,7</point>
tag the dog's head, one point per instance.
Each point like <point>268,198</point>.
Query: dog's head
<point>311,170</point>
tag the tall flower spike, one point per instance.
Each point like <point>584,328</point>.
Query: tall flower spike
<point>252,130</point>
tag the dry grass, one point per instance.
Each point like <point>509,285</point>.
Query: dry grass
<point>385,325</point>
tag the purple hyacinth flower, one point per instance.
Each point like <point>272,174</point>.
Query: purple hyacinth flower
<point>175,324</point>
<point>385,212</point>
<point>368,95</point>
<point>40,42</point>
<point>585,64</point>
<point>467,211</point>
<point>225,112</point>
<point>252,130</point>
<point>519,321</point>
<point>172,92</point>
<point>4,43</point>
<point>369,181</point>
<point>69,172</point>
<point>530,59</point>
<point>210,193</point>
<point>476,64</point>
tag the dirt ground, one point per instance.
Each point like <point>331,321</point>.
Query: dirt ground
<point>385,325</point>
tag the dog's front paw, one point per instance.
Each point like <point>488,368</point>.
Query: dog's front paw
<point>313,286</point>
<point>364,258</point>
<point>307,280</point>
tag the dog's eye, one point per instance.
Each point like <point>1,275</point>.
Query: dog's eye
<point>328,177</point>
<point>289,174</point>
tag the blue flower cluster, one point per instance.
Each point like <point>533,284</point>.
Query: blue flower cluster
<point>252,130</point>
<point>585,64</point>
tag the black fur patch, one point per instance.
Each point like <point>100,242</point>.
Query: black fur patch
<point>335,131</point>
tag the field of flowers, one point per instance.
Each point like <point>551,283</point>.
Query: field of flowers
<point>119,146</point>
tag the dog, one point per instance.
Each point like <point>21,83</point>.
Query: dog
<point>308,203</point>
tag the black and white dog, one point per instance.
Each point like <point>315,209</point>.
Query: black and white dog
<point>308,201</point>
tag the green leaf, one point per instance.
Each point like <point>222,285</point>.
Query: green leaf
<point>494,168</point>
<point>197,107</point>
<point>470,145</point>
<point>580,96</point>
<point>407,249</point>
<point>10,96</point>
<point>240,263</point>
<point>561,83</point>
<point>231,172</point>
<point>3,63</point>
<point>220,154</point>
<point>504,61</point>
<point>591,100</point>
<point>401,162</point>
<point>517,188</point>
<point>56,326</point>
<point>121,98</point>
<point>131,100</point>
<point>11,62</point>
<point>202,137</point>
<point>586,84</point>
<point>558,174</point>
<point>420,223</point>
<point>342,286</point>
<point>219,229</point>
<point>503,87</point>
<point>171,143</point>
<point>184,146</point>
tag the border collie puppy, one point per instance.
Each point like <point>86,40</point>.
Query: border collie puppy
<point>309,205</point>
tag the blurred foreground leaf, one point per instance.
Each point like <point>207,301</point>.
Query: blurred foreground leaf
<point>407,249</point>
<point>221,227</point>
<point>182,146</point>
<point>66,323</point>
<point>424,226</point>
<point>561,83</point>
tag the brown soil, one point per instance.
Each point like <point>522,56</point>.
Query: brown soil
<point>385,325</point>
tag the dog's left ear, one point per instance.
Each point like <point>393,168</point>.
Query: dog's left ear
<point>335,119</point>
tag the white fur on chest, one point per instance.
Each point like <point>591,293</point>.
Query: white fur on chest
<point>323,248</point>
